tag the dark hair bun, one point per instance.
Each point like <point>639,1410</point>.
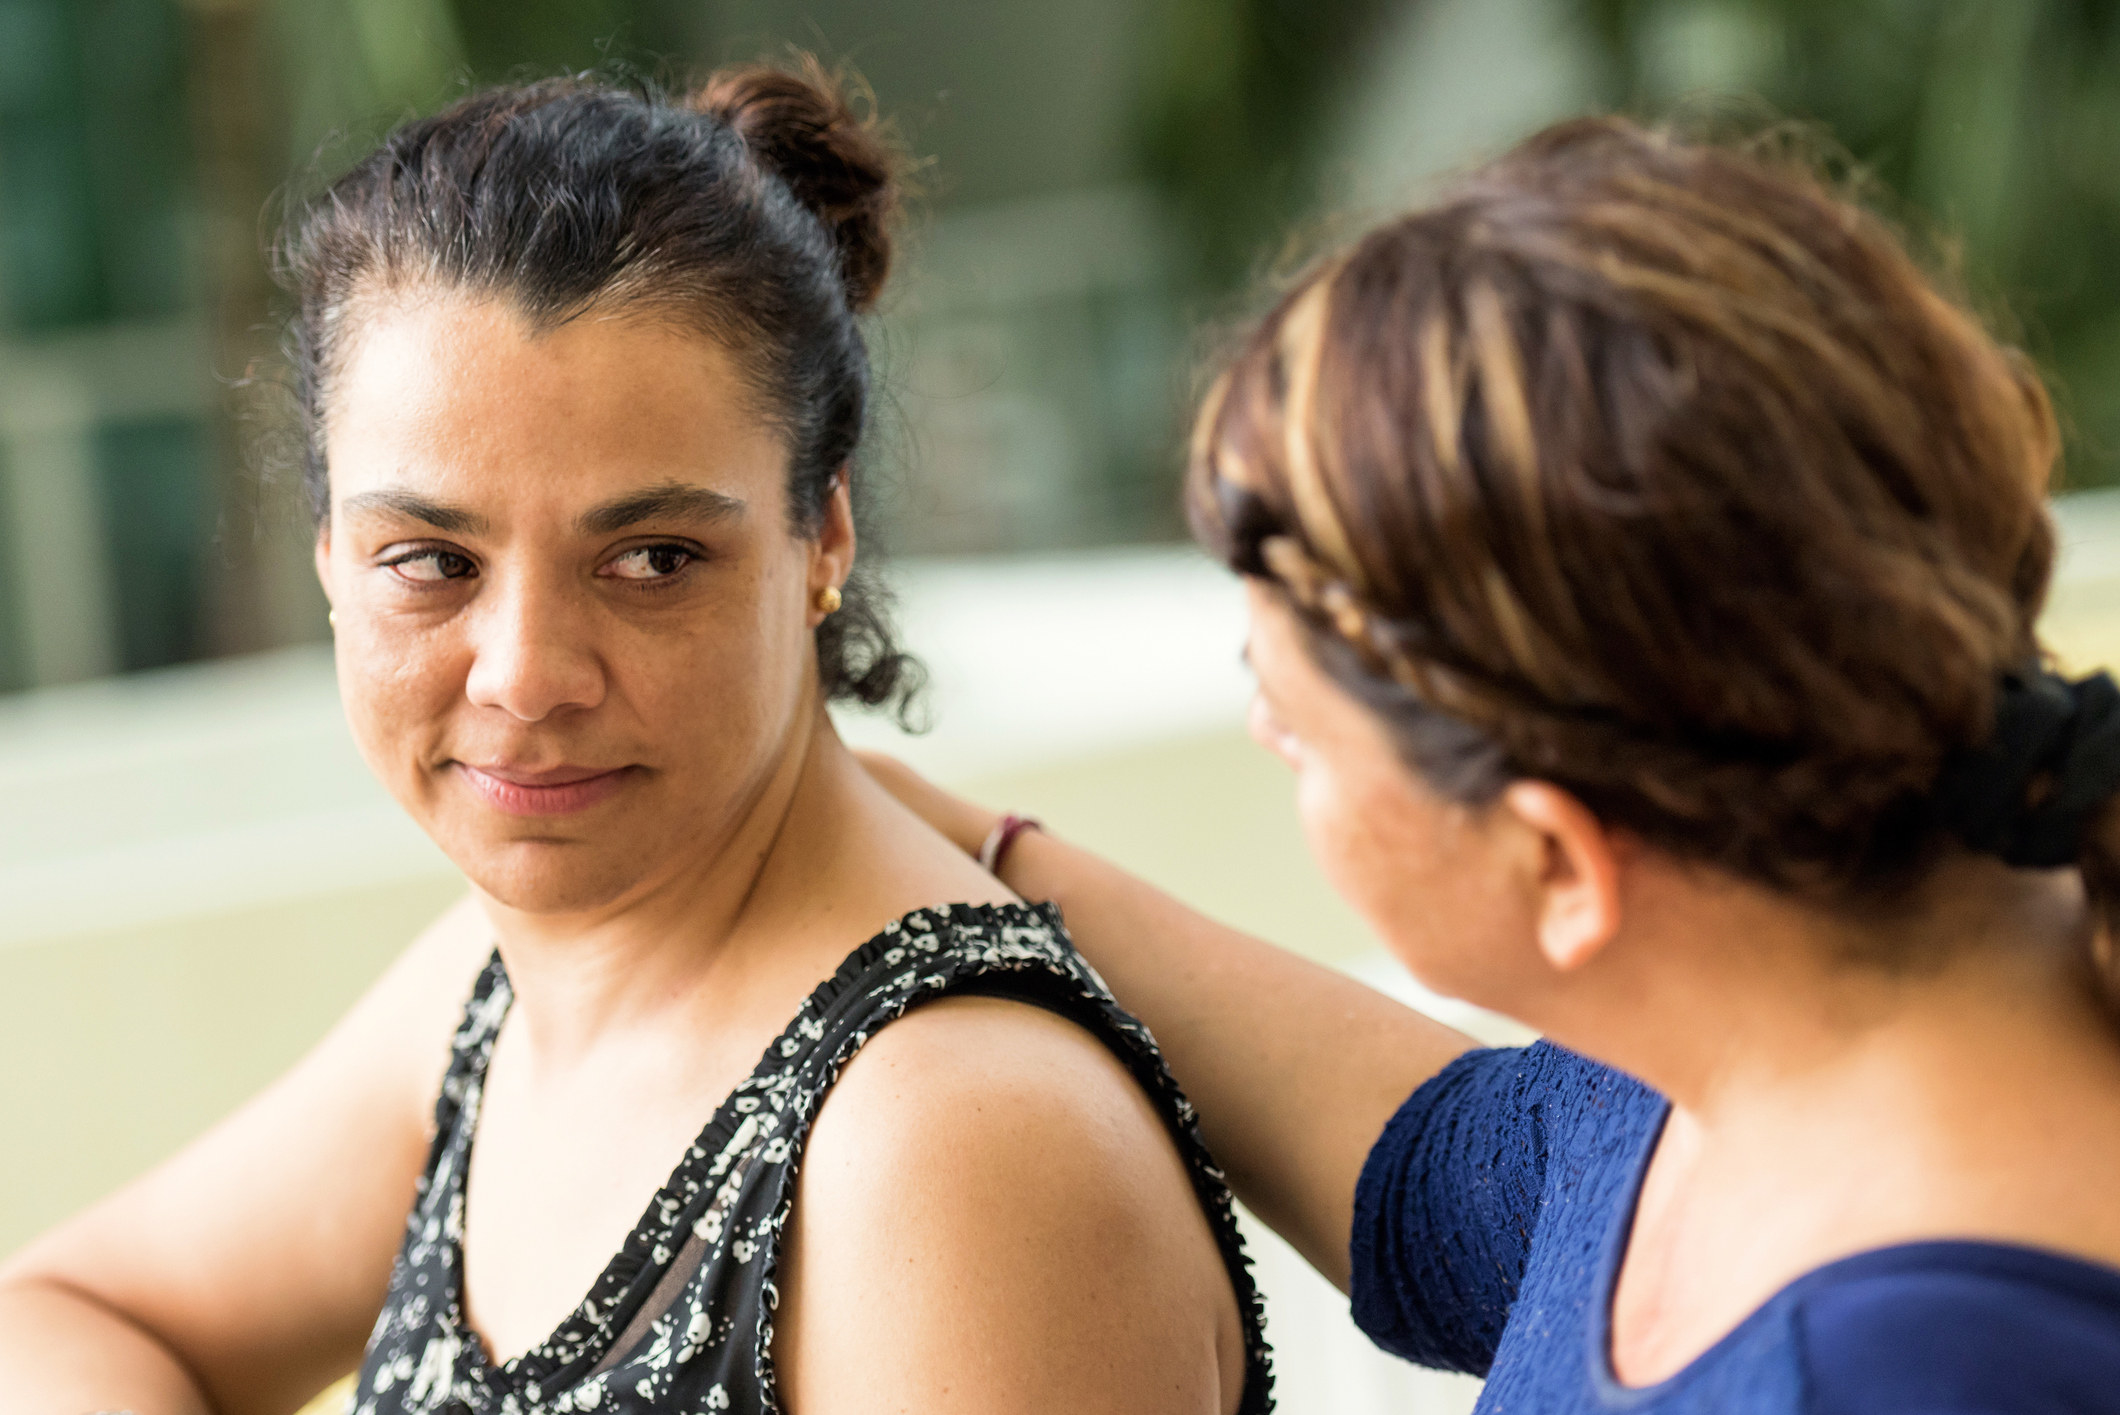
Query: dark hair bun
<point>800,124</point>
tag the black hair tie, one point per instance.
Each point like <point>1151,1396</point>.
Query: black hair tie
<point>2051,762</point>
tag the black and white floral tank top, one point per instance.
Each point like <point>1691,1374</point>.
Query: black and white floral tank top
<point>682,1319</point>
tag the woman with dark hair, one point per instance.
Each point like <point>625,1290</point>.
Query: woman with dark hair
<point>584,385</point>
<point>1643,559</point>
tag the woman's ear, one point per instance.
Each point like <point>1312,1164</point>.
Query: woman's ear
<point>323,559</point>
<point>832,554</point>
<point>1578,872</point>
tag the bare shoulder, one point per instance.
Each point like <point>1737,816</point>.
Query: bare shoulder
<point>972,1095</point>
<point>987,1176</point>
<point>944,1061</point>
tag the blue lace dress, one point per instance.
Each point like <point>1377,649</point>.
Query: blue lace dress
<point>1493,1214</point>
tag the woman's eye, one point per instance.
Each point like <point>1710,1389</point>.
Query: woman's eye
<point>650,562</point>
<point>427,567</point>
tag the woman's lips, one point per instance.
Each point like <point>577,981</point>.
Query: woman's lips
<point>561,791</point>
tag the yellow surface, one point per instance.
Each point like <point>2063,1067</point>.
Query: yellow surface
<point>332,1399</point>
<point>116,1048</point>
<point>2082,623</point>
<point>1210,819</point>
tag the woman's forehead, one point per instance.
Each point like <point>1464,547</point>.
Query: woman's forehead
<point>458,397</point>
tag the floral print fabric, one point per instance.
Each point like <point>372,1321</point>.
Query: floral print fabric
<point>712,1234</point>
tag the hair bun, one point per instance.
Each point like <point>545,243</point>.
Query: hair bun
<point>800,124</point>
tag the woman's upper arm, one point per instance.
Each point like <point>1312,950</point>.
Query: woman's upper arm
<point>1446,1205</point>
<point>258,1255</point>
<point>992,1218</point>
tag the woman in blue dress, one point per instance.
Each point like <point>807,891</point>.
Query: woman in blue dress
<point>1644,557</point>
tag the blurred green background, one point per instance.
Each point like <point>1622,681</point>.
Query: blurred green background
<point>1106,177</point>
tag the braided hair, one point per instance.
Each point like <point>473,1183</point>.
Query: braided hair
<point>1659,470</point>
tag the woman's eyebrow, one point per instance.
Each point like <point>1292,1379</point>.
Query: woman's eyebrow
<point>671,500</point>
<point>453,519</point>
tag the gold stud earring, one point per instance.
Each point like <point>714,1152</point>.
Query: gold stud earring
<point>332,618</point>
<point>829,599</point>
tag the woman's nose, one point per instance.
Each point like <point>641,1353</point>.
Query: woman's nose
<point>533,653</point>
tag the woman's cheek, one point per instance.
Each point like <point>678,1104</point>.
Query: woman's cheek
<point>1371,849</point>
<point>398,692</point>
<point>1267,731</point>
<point>1343,843</point>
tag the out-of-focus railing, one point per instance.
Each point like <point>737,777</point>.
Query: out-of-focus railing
<point>56,394</point>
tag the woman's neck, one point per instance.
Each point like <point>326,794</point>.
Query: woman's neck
<point>651,953</point>
<point>1724,995</point>
<point>1822,1105</point>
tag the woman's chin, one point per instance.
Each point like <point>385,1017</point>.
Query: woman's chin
<point>1462,976</point>
<point>550,876</point>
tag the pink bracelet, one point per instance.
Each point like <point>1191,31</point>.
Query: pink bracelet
<point>998,840</point>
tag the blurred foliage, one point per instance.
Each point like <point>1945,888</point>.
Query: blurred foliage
<point>350,69</point>
<point>1233,109</point>
<point>330,76</point>
<point>1998,120</point>
<point>142,143</point>
<point>538,36</point>
<point>1993,126</point>
<point>98,228</point>
<point>93,170</point>
<point>518,38</point>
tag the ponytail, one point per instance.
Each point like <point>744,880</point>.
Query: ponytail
<point>2099,860</point>
<point>2044,791</point>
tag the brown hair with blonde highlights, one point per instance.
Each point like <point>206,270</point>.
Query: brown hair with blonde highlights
<point>1659,470</point>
